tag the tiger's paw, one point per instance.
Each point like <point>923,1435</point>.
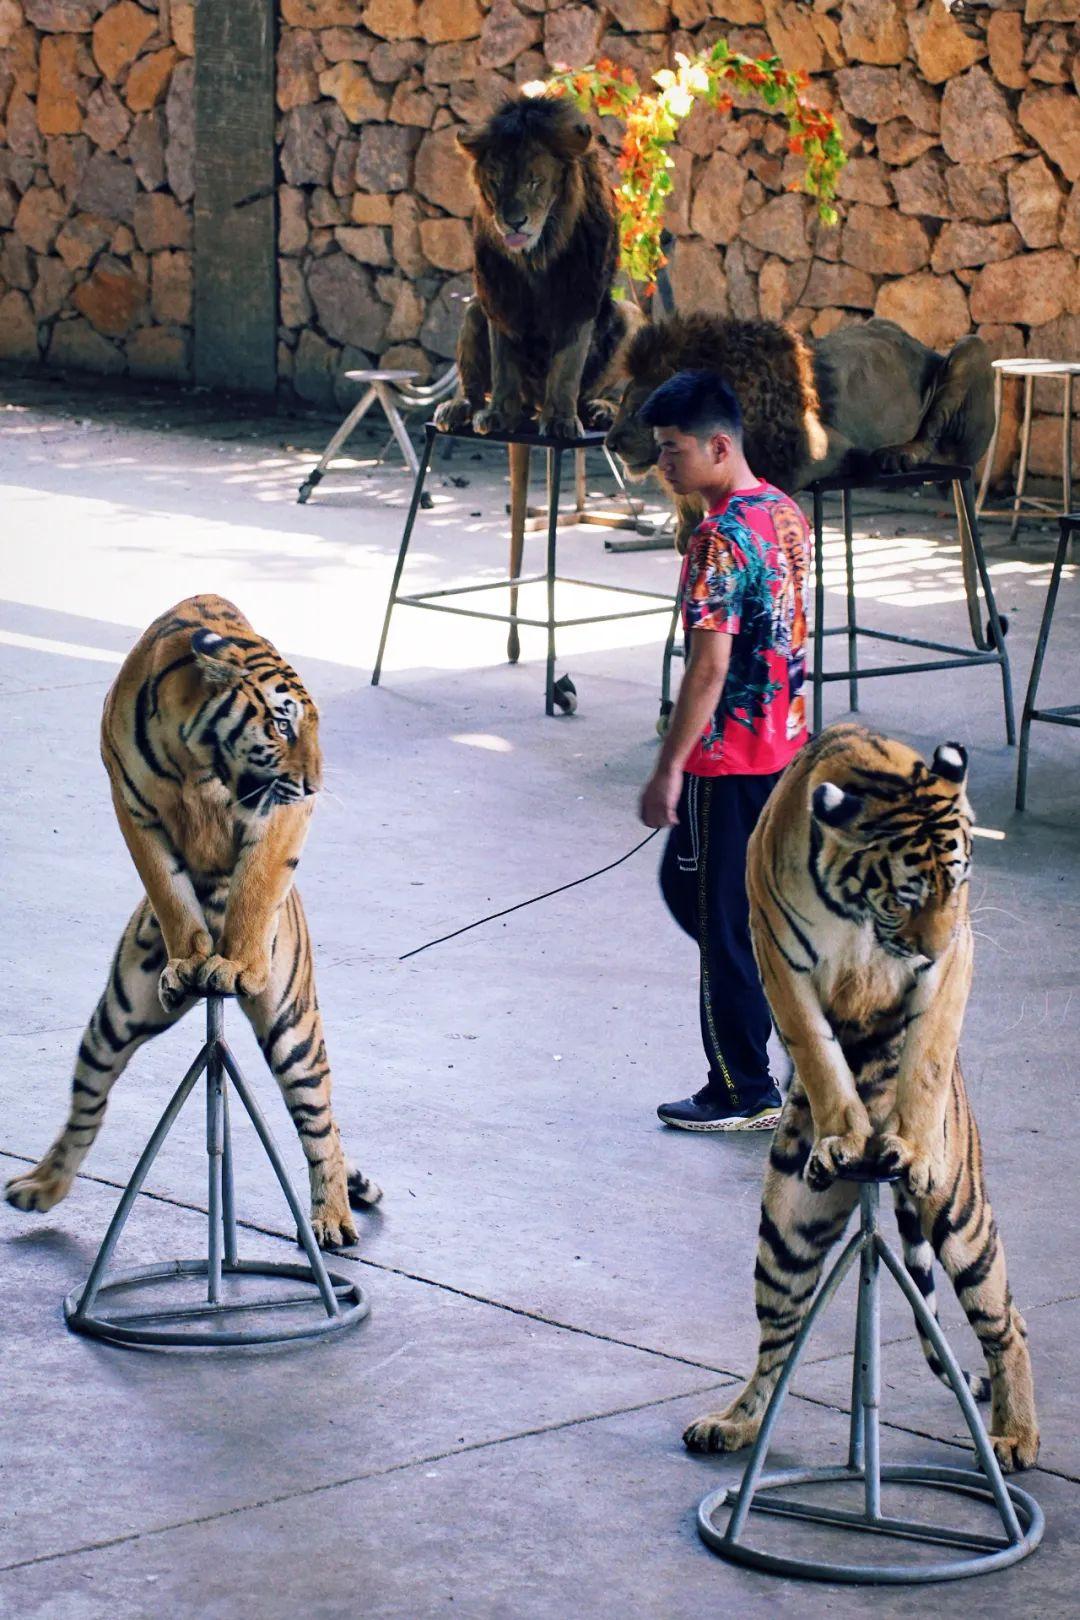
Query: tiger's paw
<point>1016,1452</point>
<point>223,976</point>
<point>334,1228</point>
<point>895,1155</point>
<point>718,1431</point>
<point>831,1154</point>
<point>363,1192</point>
<point>179,980</point>
<point>38,1189</point>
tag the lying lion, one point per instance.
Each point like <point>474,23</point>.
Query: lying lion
<point>865,397</point>
<point>544,333</point>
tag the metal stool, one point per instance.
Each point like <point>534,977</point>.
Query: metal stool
<point>560,693</point>
<point>1020,1515</point>
<point>1067,714</point>
<point>342,1301</point>
<point>391,389</point>
<point>989,646</point>
<point>1032,371</point>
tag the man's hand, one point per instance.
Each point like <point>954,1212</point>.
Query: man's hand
<point>659,798</point>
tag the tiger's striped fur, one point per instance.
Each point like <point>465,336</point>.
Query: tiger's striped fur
<point>212,748</point>
<point>857,876</point>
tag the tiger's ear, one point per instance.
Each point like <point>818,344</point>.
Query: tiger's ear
<point>832,806</point>
<point>212,656</point>
<point>473,141</point>
<point>951,762</point>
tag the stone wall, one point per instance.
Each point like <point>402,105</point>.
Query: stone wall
<point>96,184</point>
<point>961,203</point>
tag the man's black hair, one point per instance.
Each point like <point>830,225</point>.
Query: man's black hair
<point>697,402</point>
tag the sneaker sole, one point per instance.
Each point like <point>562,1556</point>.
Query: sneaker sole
<point>758,1122</point>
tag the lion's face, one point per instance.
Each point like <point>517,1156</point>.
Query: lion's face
<point>519,163</point>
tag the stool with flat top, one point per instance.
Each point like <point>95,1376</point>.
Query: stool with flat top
<point>1018,1525</point>
<point>557,694</point>
<point>988,643</point>
<point>1032,371</point>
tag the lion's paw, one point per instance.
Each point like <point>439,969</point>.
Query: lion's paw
<point>1016,1452</point>
<point>831,1154</point>
<point>493,420</point>
<point>598,415</point>
<point>38,1189</point>
<point>559,425</point>
<point>453,415</point>
<point>716,1431</point>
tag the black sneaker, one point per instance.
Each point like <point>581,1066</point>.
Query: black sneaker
<point>705,1111</point>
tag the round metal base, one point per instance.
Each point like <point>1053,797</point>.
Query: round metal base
<point>988,1552</point>
<point>353,1306</point>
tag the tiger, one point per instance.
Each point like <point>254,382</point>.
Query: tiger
<point>857,876</point>
<point>211,745</point>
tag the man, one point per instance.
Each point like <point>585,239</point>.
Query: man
<point>739,719</point>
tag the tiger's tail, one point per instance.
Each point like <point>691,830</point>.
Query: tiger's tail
<point>919,1260</point>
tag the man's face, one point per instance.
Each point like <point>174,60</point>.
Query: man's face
<point>691,464</point>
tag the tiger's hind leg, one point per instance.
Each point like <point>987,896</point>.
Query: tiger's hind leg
<point>961,1228</point>
<point>128,1013</point>
<point>798,1228</point>
<point>287,1022</point>
<point>919,1263</point>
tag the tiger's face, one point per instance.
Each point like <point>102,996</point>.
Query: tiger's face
<point>257,728</point>
<point>519,161</point>
<point>895,851</point>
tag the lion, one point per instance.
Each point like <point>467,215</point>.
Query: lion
<point>544,333</point>
<point>866,397</point>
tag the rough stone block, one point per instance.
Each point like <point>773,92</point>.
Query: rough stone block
<point>148,80</point>
<point>977,191</point>
<point>108,187</point>
<point>780,227</point>
<point>716,210</point>
<point>932,308</point>
<point>899,142</point>
<point>366,244</point>
<point>920,188</point>
<point>1005,38</point>
<point>393,19</point>
<point>171,288</point>
<point>961,245</point>
<point>942,48</point>
<point>883,242</point>
<point>159,351</point>
<point>299,63</point>
<point>294,303</point>
<point>292,220</point>
<point>51,288</point>
<point>862,179</point>
<point>180,123</point>
<point>443,320</point>
<point>354,91</point>
<point>112,298</point>
<point>1035,203</point>
<point>443,20</point>
<point>61,16</point>
<point>322,13</point>
<point>838,284</point>
<point>869,93</point>
<point>160,222</point>
<point>146,148</point>
<point>976,124</point>
<point>75,346</point>
<point>18,328</point>
<point>1052,117</point>
<point>447,244</point>
<point>440,173</point>
<point>697,276</point>
<point>58,111</point>
<point>67,160</point>
<point>119,35</point>
<point>81,239</point>
<point>39,217</point>
<point>1028,290</point>
<point>345,302</point>
<point>386,157</point>
<point>107,120</point>
<point>507,34</point>
<point>873,31</point>
<point>571,36</point>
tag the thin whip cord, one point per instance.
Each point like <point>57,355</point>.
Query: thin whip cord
<point>442,939</point>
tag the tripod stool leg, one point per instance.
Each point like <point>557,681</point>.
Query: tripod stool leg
<point>270,1148</point>
<point>134,1186</point>
<point>1025,446</point>
<point>215,1147</point>
<point>414,506</point>
<point>997,633</point>
<point>518,455</point>
<point>554,472</point>
<point>819,605</point>
<point>852,639</point>
<point>988,464</point>
<point>1036,668</point>
<point>228,1189</point>
<point>868,1351</point>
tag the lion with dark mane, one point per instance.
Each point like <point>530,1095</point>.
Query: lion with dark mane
<point>544,334</point>
<point>866,396</point>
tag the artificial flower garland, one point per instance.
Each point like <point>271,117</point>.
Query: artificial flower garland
<point>653,118</point>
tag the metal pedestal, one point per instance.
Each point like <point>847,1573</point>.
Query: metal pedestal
<point>559,693</point>
<point>1066,714</point>
<point>1020,1516</point>
<point>989,644</point>
<point>340,1301</point>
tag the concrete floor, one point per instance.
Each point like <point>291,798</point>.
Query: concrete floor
<point>558,1284</point>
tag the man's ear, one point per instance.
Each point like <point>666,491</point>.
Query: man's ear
<point>720,447</point>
